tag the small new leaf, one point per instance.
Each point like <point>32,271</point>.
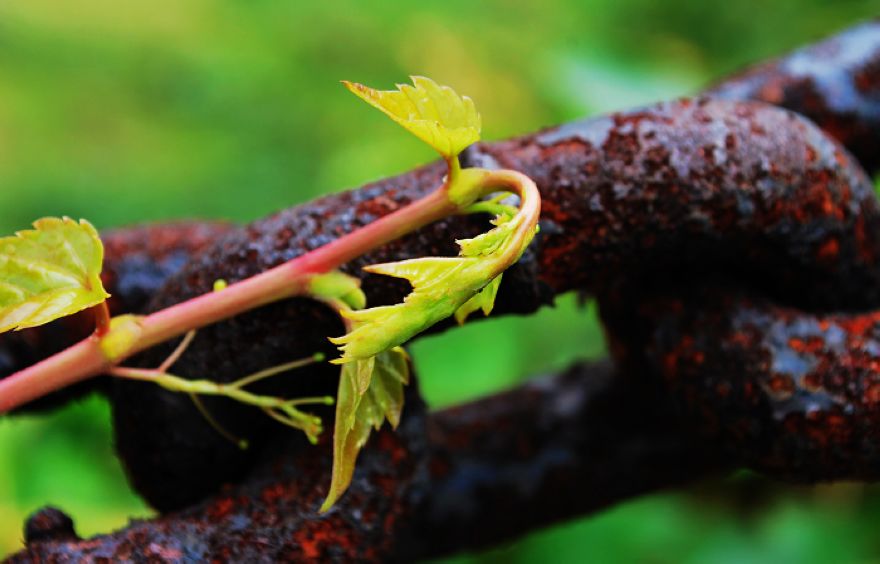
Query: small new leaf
<point>480,246</point>
<point>49,272</point>
<point>360,410</point>
<point>441,287</point>
<point>433,113</point>
<point>484,300</point>
<point>489,242</point>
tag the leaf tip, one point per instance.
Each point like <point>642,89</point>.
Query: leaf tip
<point>327,505</point>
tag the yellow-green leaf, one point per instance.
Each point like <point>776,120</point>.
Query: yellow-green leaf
<point>433,113</point>
<point>441,287</point>
<point>49,272</point>
<point>487,243</point>
<point>484,300</point>
<point>358,412</point>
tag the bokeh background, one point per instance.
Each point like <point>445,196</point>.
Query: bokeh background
<point>125,112</point>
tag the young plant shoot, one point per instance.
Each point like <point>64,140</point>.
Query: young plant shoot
<point>54,271</point>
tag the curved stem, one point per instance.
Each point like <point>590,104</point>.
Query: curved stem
<point>529,208</point>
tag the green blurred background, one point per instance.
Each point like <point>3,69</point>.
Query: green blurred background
<point>125,112</point>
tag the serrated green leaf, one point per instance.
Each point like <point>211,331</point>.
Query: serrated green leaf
<point>49,272</point>
<point>484,300</point>
<point>441,287</point>
<point>363,374</point>
<point>358,412</point>
<point>420,271</point>
<point>489,242</point>
<point>433,113</point>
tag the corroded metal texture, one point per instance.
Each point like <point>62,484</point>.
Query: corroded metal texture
<point>648,210</point>
<point>274,515</point>
<point>789,393</point>
<point>702,186</point>
<point>558,446</point>
<point>138,260</point>
<point>550,450</point>
<point>835,83</point>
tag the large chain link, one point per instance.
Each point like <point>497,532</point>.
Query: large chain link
<point>734,248</point>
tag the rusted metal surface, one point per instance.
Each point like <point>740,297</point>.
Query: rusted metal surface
<point>272,517</point>
<point>648,210</point>
<point>139,260</point>
<point>793,394</point>
<point>550,450</point>
<point>835,83</point>
<point>481,473</point>
<point>697,186</point>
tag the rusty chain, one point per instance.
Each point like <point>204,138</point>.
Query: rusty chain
<point>734,248</point>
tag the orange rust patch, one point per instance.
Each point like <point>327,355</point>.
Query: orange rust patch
<point>828,250</point>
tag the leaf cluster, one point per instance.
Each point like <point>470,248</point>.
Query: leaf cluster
<point>54,270</point>
<point>375,368</point>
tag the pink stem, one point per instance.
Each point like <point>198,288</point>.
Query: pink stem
<point>86,359</point>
